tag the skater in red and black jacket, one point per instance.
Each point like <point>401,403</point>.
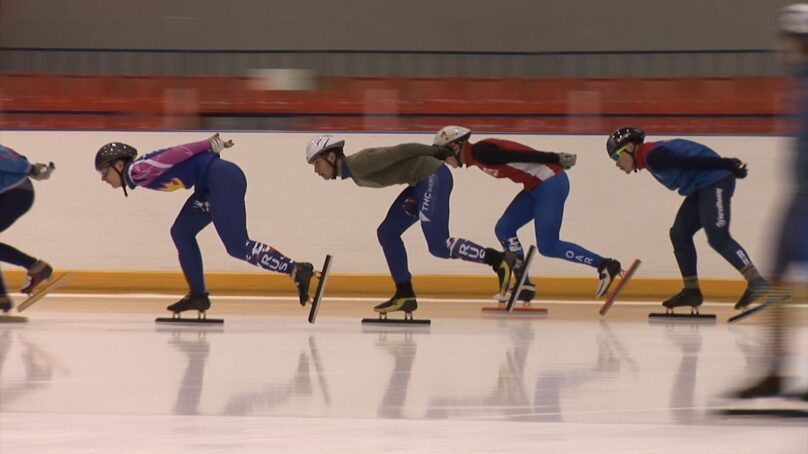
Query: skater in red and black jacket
<point>542,200</point>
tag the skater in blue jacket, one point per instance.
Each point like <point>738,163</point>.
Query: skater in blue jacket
<point>16,198</point>
<point>707,181</point>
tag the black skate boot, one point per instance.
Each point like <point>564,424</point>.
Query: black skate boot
<point>503,263</point>
<point>754,290</point>
<point>687,297</point>
<point>302,275</point>
<point>528,292</point>
<point>38,272</point>
<point>607,271</point>
<point>768,386</point>
<point>526,295</point>
<point>403,300</point>
<point>192,301</point>
<point>5,303</point>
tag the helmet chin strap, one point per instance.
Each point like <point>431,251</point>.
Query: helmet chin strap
<point>334,168</point>
<point>123,180</point>
<point>334,165</point>
<point>459,151</point>
<point>633,160</point>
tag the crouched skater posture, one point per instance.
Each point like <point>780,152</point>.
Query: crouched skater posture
<point>218,197</point>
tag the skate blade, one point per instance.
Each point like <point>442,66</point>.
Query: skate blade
<point>43,289</point>
<point>748,311</point>
<point>625,277</point>
<point>396,321</point>
<point>520,311</point>
<point>778,406</point>
<point>318,293</point>
<point>199,321</point>
<point>662,317</point>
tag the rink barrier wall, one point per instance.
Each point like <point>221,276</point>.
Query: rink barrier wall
<point>716,105</point>
<point>79,223</point>
<point>361,285</point>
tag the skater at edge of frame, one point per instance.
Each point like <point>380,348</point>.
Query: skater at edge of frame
<point>219,190</point>
<point>707,181</point>
<point>425,199</point>
<point>16,198</point>
<point>791,244</point>
<point>546,187</point>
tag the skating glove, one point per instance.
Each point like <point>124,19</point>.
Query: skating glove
<point>567,160</point>
<point>738,167</point>
<point>443,153</point>
<point>40,171</point>
<point>217,144</point>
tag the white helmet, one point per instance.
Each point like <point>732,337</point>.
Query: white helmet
<point>321,144</point>
<point>793,19</point>
<point>449,134</point>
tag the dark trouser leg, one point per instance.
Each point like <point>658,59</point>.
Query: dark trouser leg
<point>685,226</point>
<point>549,199</point>
<point>401,216</point>
<point>14,204</point>
<point>715,204</point>
<point>192,218</point>
<point>518,213</point>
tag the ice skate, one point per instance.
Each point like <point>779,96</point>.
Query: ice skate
<point>526,295</point>
<point>607,271</point>
<point>524,288</point>
<point>688,297</point>
<point>302,274</point>
<point>407,304</point>
<point>322,278</point>
<point>38,272</point>
<point>625,277</point>
<point>528,290</point>
<point>5,303</point>
<point>772,296</point>
<point>43,290</point>
<point>766,397</point>
<point>403,300</point>
<point>768,386</point>
<point>504,270</point>
<point>190,302</point>
<point>754,291</point>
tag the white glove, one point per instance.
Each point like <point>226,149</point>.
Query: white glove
<point>217,144</point>
<point>567,160</point>
<point>40,171</point>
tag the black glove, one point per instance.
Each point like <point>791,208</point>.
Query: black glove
<point>738,168</point>
<point>443,153</point>
<point>40,171</point>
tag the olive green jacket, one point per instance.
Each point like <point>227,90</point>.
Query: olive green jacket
<point>380,167</point>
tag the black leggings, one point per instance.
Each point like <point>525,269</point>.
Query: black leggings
<point>13,204</point>
<point>709,208</point>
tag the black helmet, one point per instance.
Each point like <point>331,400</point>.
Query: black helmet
<point>623,136</point>
<point>112,152</point>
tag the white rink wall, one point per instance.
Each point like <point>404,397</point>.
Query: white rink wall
<point>79,222</point>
